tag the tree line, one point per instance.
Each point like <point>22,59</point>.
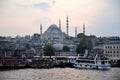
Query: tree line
<point>84,44</point>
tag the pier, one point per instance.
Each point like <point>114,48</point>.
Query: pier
<point>38,62</point>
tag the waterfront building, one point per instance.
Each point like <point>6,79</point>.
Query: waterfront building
<point>111,50</point>
<point>104,40</point>
<point>72,47</point>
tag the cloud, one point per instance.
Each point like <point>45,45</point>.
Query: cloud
<point>43,5</point>
<point>100,17</point>
<point>53,2</point>
<point>22,5</point>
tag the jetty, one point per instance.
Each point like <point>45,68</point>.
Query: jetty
<point>38,62</point>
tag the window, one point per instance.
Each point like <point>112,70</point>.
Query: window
<point>110,47</point>
<point>90,65</point>
<point>106,51</point>
<point>106,47</point>
<point>114,47</point>
<point>114,52</point>
<point>117,47</point>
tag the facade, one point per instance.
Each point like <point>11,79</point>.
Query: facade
<point>104,40</point>
<point>112,51</point>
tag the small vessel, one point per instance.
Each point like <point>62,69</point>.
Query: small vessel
<point>96,62</point>
<point>12,62</point>
<point>38,62</point>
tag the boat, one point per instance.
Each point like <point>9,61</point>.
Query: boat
<point>12,62</point>
<point>97,62</point>
<point>38,62</point>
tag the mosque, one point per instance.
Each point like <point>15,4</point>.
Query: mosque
<point>55,33</point>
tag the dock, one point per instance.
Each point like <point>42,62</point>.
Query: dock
<point>38,62</point>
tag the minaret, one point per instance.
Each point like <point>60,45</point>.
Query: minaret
<point>75,31</point>
<point>59,24</point>
<point>67,26</point>
<point>41,29</point>
<point>84,29</point>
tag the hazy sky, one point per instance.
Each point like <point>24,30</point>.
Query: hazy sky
<point>23,17</point>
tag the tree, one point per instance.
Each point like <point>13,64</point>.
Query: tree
<point>49,50</point>
<point>83,45</point>
<point>66,48</point>
<point>81,35</point>
<point>92,36</point>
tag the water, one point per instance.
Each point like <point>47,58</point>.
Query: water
<point>60,74</point>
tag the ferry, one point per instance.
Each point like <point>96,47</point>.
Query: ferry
<point>92,63</point>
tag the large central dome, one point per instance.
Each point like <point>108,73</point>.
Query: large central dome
<point>53,27</point>
<point>53,32</point>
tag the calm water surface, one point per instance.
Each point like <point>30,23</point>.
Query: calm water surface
<point>60,74</point>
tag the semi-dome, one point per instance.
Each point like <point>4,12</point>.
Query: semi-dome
<point>58,46</point>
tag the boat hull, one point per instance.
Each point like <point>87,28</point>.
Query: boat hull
<point>92,66</point>
<point>104,67</point>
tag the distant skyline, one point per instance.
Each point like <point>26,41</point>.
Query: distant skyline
<point>24,17</point>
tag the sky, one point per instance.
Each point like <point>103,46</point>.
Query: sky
<point>23,17</point>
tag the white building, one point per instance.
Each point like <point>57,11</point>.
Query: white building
<point>112,51</point>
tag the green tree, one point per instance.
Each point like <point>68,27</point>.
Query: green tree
<point>81,35</point>
<point>83,45</point>
<point>92,36</point>
<point>66,48</point>
<point>49,50</point>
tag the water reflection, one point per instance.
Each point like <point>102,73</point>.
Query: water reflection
<point>60,74</point>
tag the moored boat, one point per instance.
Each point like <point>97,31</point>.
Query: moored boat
<point>95,60</point>
<point>92,63</point>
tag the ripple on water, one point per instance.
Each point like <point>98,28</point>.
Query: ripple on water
<point>60,74</point>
